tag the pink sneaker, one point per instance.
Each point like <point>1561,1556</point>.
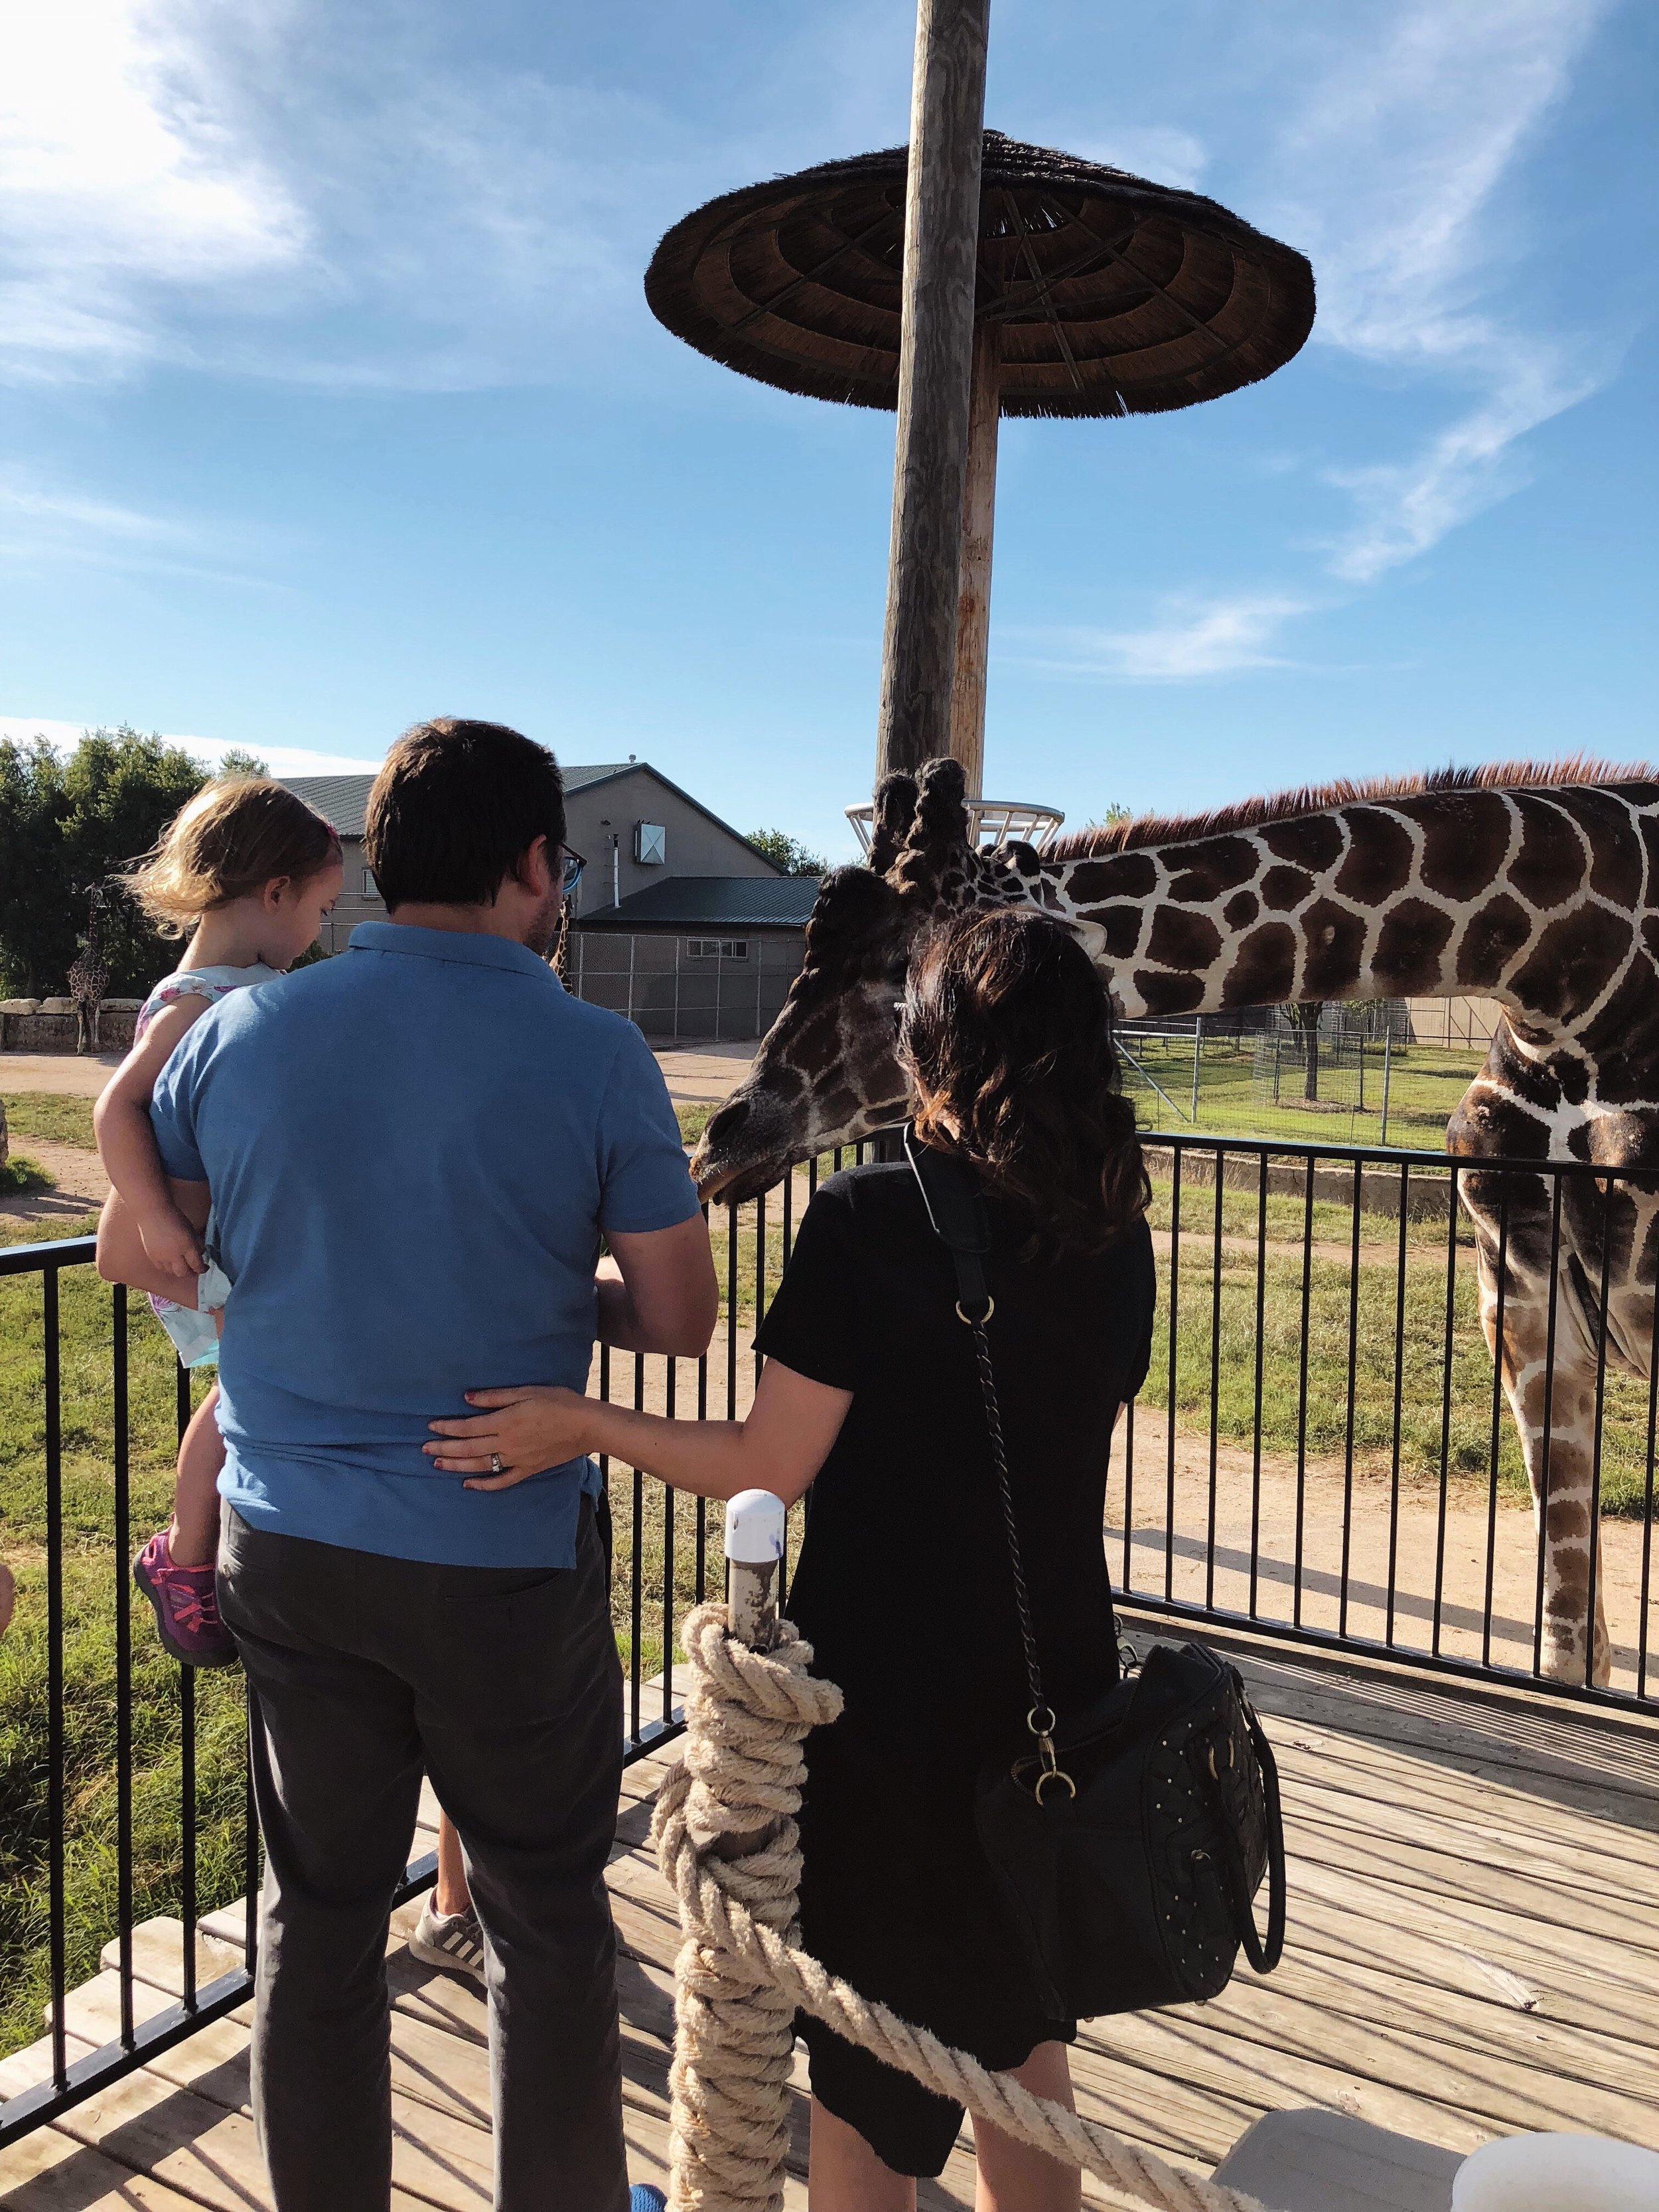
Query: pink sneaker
<point>186,1607</point>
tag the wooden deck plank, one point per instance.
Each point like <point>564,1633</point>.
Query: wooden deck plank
<point>1587,1854</point>
<point>1572,1756</point>
<point>186,2118</point>
<point>1361,1930</point>
<point>1475,1948</point>
<point>49,2172</point>
<point>1369,1772</point>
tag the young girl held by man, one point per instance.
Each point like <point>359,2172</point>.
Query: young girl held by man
<point>247,871</point>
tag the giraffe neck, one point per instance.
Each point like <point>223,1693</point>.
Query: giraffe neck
<point>1534,898</point>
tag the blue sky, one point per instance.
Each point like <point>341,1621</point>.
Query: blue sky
<point>331,399</point>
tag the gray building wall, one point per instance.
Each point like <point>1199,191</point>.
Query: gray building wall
<point>696,844</point>
<point>652,978</point>
<point>358,900</point>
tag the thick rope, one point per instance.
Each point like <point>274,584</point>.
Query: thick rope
<point>740,1977</point>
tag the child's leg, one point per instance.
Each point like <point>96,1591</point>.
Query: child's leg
<point>451,1894</point>
<point>175,1570</point>
<point>193,1540</point>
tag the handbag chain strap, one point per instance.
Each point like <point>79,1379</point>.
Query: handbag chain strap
<point>956,1211</point>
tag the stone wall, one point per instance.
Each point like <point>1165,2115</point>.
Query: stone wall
<point>48,1024</point>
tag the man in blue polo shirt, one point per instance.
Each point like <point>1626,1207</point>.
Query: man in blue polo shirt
<point>412,1153</point>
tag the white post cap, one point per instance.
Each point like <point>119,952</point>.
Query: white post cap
<point>754,1528</point>
<point>1552,2173</point>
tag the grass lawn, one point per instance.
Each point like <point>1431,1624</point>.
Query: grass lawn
<point>1424,1084</point>
<point>52,1114</point>
<point>92,1564</point>
<point>1216,1315</point>
<point>693,1120</point>
<point>19,1172</point>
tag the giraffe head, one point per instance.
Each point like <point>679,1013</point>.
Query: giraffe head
<point>828,1072</point>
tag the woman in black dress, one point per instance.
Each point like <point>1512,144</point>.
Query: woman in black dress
<point>870,1395</point>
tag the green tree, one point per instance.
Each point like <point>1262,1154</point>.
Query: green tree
<point>787,853</point>
<point>236,761</point>
<point>122,790</point>
<point>37,937</point>
<point>67,823</point>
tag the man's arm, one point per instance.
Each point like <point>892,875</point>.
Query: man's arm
<point>658,1292</point>
<point>121,1254</point>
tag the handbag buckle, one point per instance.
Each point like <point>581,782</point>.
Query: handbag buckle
<point>1041,1722</point>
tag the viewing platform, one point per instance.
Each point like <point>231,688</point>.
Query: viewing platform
<point>1474,1951</point>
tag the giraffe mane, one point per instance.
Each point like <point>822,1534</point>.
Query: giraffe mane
<point>1576,769</point>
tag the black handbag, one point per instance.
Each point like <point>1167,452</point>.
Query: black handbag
<point>1129,1840</point>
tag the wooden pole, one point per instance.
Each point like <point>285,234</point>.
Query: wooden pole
<point>979,503</point>
<point>930,462</point>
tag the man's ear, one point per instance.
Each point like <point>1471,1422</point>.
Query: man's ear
<point>532,870</point>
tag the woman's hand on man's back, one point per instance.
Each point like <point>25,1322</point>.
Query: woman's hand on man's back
<point>526,1429</point>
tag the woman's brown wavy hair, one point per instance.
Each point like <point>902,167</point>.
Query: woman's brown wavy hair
<point>1006,1030</point>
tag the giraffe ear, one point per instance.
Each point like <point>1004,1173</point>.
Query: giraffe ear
<point>852,915</point>
<point>896,807</point>
<point>938,839</point>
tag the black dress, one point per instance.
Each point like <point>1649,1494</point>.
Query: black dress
<point>903,1588</point>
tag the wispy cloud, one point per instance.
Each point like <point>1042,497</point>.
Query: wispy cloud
<point>289,191</point>
<point>1392,177</point>
<point>1190,640</point>
<point>120,185</point>
<point>1170,155</point>
<point>47,523</point>
<point>64,518</point>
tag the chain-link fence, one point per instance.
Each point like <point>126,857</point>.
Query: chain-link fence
<point>725,986</point>
<point>1356,1076</point>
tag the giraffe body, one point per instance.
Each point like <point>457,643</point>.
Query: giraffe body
<point>88,978</point>
<point>1538,888</point>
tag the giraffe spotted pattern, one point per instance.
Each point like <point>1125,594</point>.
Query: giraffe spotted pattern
<point>1537,887</point>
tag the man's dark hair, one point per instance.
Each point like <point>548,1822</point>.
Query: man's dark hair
<point>454,808</point>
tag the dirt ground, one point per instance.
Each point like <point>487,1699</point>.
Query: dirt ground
<point>1336,1576</point>
<point>1485,1546</point>
<point>695,1074</point>
<point>69,1074</point>
<point>1171,1554</point>
<point>79,1184</point>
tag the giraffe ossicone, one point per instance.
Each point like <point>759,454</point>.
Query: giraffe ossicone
<point>1535,886</point>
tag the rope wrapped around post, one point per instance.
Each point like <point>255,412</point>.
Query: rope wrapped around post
<point>727,1839</point>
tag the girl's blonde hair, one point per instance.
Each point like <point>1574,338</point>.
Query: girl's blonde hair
<point>232,838</point>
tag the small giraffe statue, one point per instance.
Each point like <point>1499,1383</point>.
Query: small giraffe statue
<point>1537,887</point>
<point>89,976</point>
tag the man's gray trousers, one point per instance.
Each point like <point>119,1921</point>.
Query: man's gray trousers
<point>503,1684</point>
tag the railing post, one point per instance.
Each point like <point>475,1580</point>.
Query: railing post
<point>1388,1048</point>
<point>755,1525</point>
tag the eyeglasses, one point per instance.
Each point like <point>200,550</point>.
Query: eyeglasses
<point>570,870</point>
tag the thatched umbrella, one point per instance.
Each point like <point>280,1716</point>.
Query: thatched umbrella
<point>1111,296</point>
<point>1097,293</point>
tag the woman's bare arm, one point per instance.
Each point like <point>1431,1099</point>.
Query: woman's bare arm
<point>126,1144</point>
<point>780,1447</point>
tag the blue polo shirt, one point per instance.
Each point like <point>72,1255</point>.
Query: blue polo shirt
<point>413,1150</point>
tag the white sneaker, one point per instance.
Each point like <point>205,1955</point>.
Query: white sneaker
<point>454,1940</point>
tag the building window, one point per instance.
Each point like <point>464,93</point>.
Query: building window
<point>371,889</point>
<point>717,948</point>
<point>650,845</point>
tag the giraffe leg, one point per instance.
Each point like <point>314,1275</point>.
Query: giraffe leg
<point>1560,1462</point>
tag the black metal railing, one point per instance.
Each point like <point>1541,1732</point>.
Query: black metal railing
<point>93,1410</point>
<point>1324,1449</point>
<point>1321,1452</point>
